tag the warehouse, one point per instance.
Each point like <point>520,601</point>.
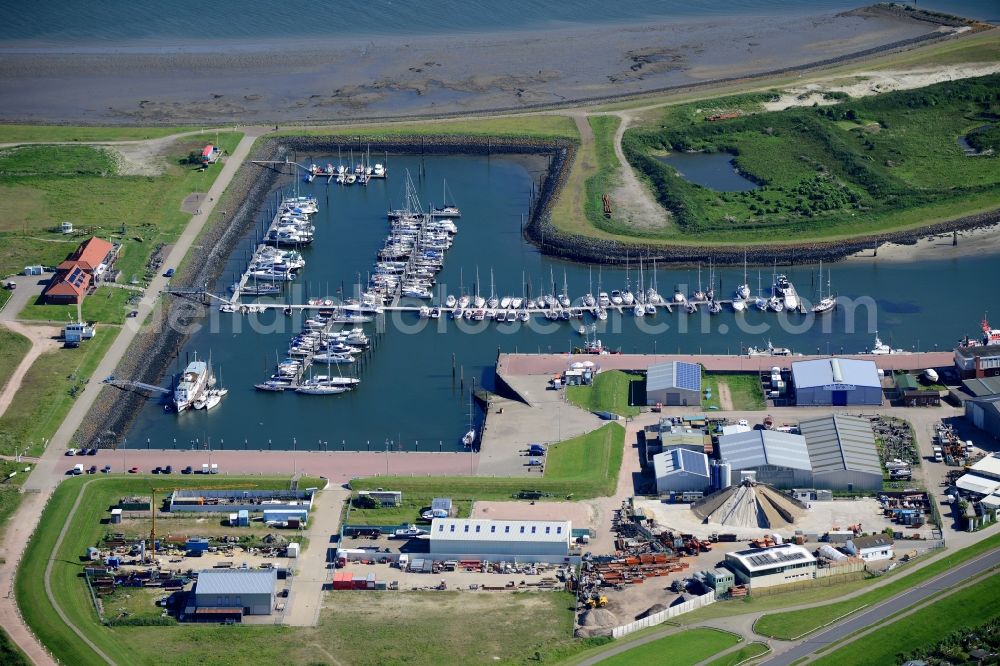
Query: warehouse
<point>493,539</point>
<point>230,501</point>
<point>681,470</point>
<point>842,453</point>
<point>982,479</point>
<point>836,381</point>
<point>767,567</point>
<point>675,384</point>
<point>984,413</point>
<point>233,593</point>
<point>776,458</point>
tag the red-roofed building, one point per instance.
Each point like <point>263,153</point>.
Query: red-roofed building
<point>83,268</point>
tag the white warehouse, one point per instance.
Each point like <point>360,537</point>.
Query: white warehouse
<point>681,470</point>
<point>767,567</point>
<point>485,537</point>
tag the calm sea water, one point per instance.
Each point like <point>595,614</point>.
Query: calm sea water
<point>409,396</point>
<point>113,23</point>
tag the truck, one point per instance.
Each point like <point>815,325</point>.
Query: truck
<point>77,470</point>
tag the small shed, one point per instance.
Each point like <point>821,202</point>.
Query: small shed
<point>66,227</point>
<point>441,504</point>
<point>33,270</point>
<point>721,580</point>
<point>243,518</point>
<point>293,550</point>
<point>116,516</point>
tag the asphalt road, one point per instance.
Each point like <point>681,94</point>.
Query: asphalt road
<point>868,618</point>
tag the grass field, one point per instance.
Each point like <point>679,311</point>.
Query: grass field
<point>966,608</point>
<point>407,512</point>
<point>50,161</point>
<point>47,392</point>
<point>744,390</point>
<point>107,305</point>
<point>791,624</point>
<point>567,473</point>
<point>47,133</point>
<point>13,347</point>
<point>614,391</point>
<point>536,126</point>
<point>743,654</point>
<point>138,211</point>
<point>682,649</point>
<point>433,627</point>
<point>10,654</point>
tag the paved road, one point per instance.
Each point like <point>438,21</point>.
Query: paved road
<point>863,620</point>
<point>306,595</point>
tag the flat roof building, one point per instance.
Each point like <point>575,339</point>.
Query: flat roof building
<point>983,478</point>
<point>776,458</point>
<point>674,383</point>
<point>837,382</point>
<point>767,567</point>
<point>234,591</point>
<point>486,537</point>
<point>982,361</point>
<point>681,470</point>
<point>842,453</point>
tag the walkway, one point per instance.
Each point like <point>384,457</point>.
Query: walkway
<point>43,339</point>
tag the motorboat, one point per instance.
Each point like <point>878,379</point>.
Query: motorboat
<point>650,309</point>
<point>450,301</point>
<point>714,307</point>
<point>616,297</point>
<point>639,310</point>
<point>191,385</point>
<point>468,438</point>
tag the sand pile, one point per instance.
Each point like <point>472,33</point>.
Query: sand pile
<point>749,505</point>
<point>596,622</point>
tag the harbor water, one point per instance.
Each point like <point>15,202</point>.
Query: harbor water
<point>414,392</point>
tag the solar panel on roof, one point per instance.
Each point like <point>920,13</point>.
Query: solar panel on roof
<point>688,376</point>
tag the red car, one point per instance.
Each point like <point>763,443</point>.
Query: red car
<point>134,470</point>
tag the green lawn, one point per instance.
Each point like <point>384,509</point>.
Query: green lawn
<point>107,305</point>
<point>434,627</point>
<point>566,475</point>
<point>744,389</point>
<point>407,512</point>
<point>791,624</point>
<point>13,347</point>
<point>10,654</point>
<point>681,649</point>
<point>45,133</point>
<point>138,211</point>
<point>966,608</point>
<point>48,391</point>
<point>613,391</point>
<point>536,126</point>
<point>50,161</point>
<point>740,656</point>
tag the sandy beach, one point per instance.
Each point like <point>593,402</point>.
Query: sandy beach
<point>971,243</point>
<point>439,74</point>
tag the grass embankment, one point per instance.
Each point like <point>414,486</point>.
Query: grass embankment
<point>47,133</point>
<point>10,654</point>
<point>743,654</point>
<point>791,624</point>
<point>433,627</point>
<point>42,186</point>
<point>10,491</point>
<point>545,126</point>
<point>579,468</point>
<point>861,166</point>
<point>965,608</point>
<point>107,305</point>
<point>745,391</point>
<point>613,391</point>
<point>681,649</point>
<point>48,390</point>
<point>13,347</point>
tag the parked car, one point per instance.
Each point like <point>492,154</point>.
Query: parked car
<point>134,470</point>
<point>71,452</point>
<point>156,470</point>
<point>11,285</point>
<point>92,470</point>
<point>81,452</point>
<point>536,450</point>
<point>106,469</point>
<point>534,462</point>
<point>91,452</point>
<point>133,313</point>
<point>169,273</point>
<point>168,469</point>
<point>187,470</point>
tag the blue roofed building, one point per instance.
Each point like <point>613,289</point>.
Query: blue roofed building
<point>681,470</point>
<point>836,382</point>
<point>675,384</point>
<point>776,458</point>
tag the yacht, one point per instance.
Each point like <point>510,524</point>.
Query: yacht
<point>639,310</point>
<point>616,297</point>
<point>880,348</point>
<point>191,385</point>
<point>650,309</point>
<point>450,301</point>
<point>787,291</point>
<point>739,305</point>
<point>603,300</point>
<point>321,389</point>
<point>602,314</point>
<point>826,303</point>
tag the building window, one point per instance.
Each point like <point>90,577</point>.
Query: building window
<point>522,529</point>
<point>506,530</point>
<point>440,528</point>
<point>547,529</point>
<point>493,528</point>
<point>452,528</point>
<point>477,529</point>
<point>466,528</point>
<point>532,529</point>
<point>558,530</point>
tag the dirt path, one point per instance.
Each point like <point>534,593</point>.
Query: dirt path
<point>306,595</point>
<point>633,201</point>
<point>43,339</point>
<point>725,398</point>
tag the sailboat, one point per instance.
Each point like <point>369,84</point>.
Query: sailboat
<point>698,295</point>
<point>470,436</point>
<point>478,301</point>
<point>493,302</point>
<point>743,291</point>
<point>627,297</point>
<point>564,296</point>
<point>760,301</point>
<point>588,298</point>
<point>710,292</point>
<point>826,303</point>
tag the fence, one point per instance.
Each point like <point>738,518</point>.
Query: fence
<point>664,615</point>
<point>830,580</point>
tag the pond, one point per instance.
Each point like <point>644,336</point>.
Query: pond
<point>712,170</point>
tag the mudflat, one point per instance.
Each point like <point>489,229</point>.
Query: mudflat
<point>233,81</point>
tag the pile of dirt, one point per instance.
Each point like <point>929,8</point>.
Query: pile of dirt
<point>596,622</point>
<point>652,610</point>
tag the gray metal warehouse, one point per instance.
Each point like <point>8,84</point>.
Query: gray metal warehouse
<point>984,413</point>
<point>486,538</point>
<point>842,452</point>
<point>836,382</point>
<point>681,470</point>
<point>776,458</point>
<point>676,384</point>
<point>233,592</point>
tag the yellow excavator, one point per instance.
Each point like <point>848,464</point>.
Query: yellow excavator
<point>597,601</point>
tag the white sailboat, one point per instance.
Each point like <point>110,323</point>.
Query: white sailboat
<point>743,291</point>
<point>826,303</point>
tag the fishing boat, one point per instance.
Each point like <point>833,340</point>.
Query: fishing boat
<point>650,309</point>
<point>770,350</point>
